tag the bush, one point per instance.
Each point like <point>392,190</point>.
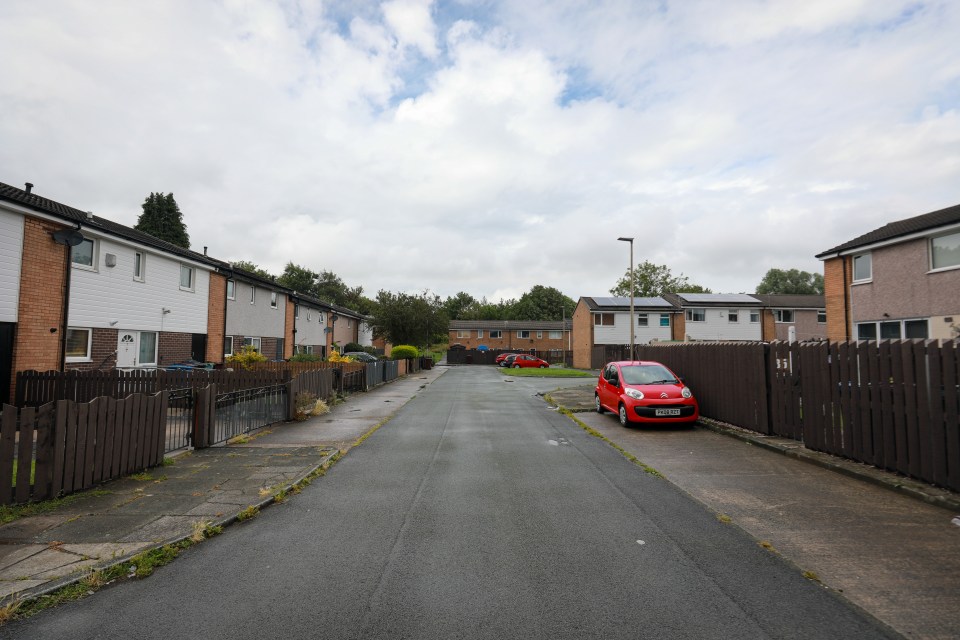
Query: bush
<point>306,357</point>
<point>336,357</point>
<point>404,351</point>
<point>246,357</point>
<point>352,347</point>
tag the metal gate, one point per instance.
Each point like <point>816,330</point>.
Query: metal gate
<point>179,419</point>
<point>240,412</point>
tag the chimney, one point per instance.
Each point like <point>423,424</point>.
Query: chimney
<point>29,186</point>
<point>204,249</point>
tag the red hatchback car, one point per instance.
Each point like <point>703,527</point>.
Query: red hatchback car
<point>645,392</point>
<point>523,360</point>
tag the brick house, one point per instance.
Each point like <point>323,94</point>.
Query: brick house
<point>522,335</point>
<point>805,313</point>
<point>309,333</point>
<point>606,321</point>
<point>256,315</point>
<point>901,280</point>
<point>344,325</point>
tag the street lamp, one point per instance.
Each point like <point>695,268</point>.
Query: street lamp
<point>632,352</point>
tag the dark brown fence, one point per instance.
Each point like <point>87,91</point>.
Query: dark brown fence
<point>319,382</point>
<point>890,404</point>
<point>68,446</point>
<point>489,356</point>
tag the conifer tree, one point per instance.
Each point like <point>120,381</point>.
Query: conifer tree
<point>163,219</point>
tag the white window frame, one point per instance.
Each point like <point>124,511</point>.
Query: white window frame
<point>598,319</point>
<point>139,260</point>
<point>778,316</point>
<point>643,320</point>
<point>231,289</point>
<point>274,299</point>
<point>733,315</point>
<point>479,333</point>
<point>89,355</point>
<point>864,258</point>
<point>555,335</point>
<point>226,351</point>
<point>754,316</point>
<point>193,277</point>
<point>255,342</point>
<point>664,319</point>
<point>949,267</point>
<point>539,335</point>
<point>523,333</point>
<point>94,255</point>
<point>253,294</point>
<point>496,334</point>
<point>821,313</point>
<point>463,334</point>
<point>156,349</point>
<point>296,311</point>
<point>698,314</point>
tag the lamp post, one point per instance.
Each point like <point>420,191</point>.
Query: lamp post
<point>632,327</point>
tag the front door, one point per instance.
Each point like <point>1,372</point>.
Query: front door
<point>126,349</point>
<point>6,359</point>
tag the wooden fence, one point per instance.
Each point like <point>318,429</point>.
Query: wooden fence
<point>489,356</point>
<point>68,446</point>
<point>890,404</point>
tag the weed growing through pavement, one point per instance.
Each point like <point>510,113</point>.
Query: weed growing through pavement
<point>241,439</point>
<point>769,547</point>
<point>810,575</point>
<point>142,477</point>
<point>250,512</point>
<point>724,518</point>
<point>596,434</point>
<point>10,513</point>
<point>9,611</point>
<point>169,462</point>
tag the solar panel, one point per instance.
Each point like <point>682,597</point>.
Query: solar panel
<point>720,298</point>
<point>625,302</point>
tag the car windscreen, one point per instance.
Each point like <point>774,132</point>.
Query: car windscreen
<point>647,374</point>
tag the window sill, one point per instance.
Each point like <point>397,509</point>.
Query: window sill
<point>942,269</point>
<point>186,289</point>
<point>77,360</point>
<point>856,282</point>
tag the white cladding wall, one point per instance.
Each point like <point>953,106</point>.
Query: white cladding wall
<point>366,335</point>
<point>110,293</point>
<point>310,326</point>
<point>257,320</point>
<point>717,326</point>
<point>11,251</point>
<point>619,333</point>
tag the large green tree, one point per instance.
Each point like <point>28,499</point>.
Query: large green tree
<point>653,280</point>
<point>542,303</point>
<point>300,279</point>
<point>791,281</point>
<point>458,306</point>
<point>163,219</point>
<point>403,318</point>
<point>252,267</point>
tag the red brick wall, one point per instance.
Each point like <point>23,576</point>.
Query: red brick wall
<point>174,348</point>
<point>216,315</point>
<point>509,340</point>
<point>289,341</point>
<point>103,349</point>
<point>836,291</point>
<point>40,327</point>
<point>582,338</point>
<point>679,326</point>
<point>768,329</point>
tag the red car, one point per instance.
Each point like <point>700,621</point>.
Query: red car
<point>503,356</point>
<point>645,392</point>
<point>523,360</point>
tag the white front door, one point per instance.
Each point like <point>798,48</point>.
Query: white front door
<point>126,349</point>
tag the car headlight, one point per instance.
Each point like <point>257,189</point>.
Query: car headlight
<point>634,393</point>
<point>686,393</point>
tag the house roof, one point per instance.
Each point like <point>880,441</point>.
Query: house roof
<point>712,299</point>
<point>511,325</point>
<point>899,228</point>
<point>622,303</point>
<point>783,301</point>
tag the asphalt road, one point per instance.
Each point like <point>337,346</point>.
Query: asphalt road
<point>476,512</point>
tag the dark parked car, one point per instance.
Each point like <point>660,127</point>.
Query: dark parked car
<point>645,392</point>
<point>522,360</point>
<point>503,356</point>
<point>361,356</point>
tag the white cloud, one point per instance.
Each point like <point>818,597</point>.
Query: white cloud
<point>490,147</point>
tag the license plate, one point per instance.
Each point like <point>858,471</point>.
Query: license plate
<point>667,412</point>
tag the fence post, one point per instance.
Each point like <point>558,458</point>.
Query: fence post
<point>204,415</point>
<point>292,387</point>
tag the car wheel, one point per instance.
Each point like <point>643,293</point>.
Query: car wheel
<point>597,405</point>
<point>543,366</point>
<point>516,366</point>
<point>624,418</point>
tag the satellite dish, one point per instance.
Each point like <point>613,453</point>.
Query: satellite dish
<point>70,237</point>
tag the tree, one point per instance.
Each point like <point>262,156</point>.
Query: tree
<point>250,267</point>
<point>791,281</point>
<point>300,279</point>
<point>457,306</point>
<point>403,318</point>
<point>651,280</point>
<point>542,303</point>
<point>162,219</point>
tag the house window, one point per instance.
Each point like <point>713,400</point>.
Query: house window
<point>890,331</point>
<point>305,348</point>
<point>867,331</point>
<point>642,320</point>
<point>147,353</point>
<point>539,335</point>
<point>231,290</point>
<point>228,346</point>
<point>783,315</point>
<point>664,319</point>
<point>296,312</point>
<point>733,315</point>
<point>78,345</point>
<point>822,316</point>
<point>479,333</point>
<point>84,254</point>
<point>555,335</point>
<point>463,334</point>
<point>253,294</point>
<point>138,266</point>
<point>696,315</point>
<point>945,251</point>
<point>496,334</point>
<point>186,277</point>
<point>523,334</point>
<point>862,268</point>
<point>754,317</point>
<point>915,329</point>
<point>603,319</point>
<point>254,342</point>
<point>273,299</point>
<point>349,323</point>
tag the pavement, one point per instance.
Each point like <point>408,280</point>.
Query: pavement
<point>114,522</point>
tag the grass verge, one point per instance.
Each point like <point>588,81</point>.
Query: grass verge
<point>9,513</point>
<point>558,372</point>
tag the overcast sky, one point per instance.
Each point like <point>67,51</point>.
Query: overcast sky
<point>488,146</point>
